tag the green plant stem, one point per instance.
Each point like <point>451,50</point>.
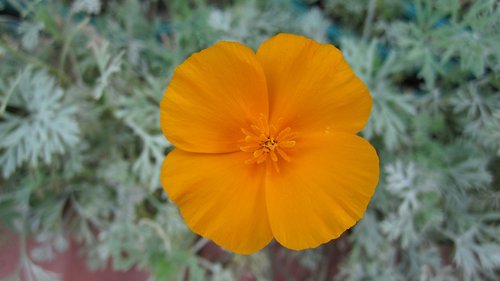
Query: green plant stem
<point>5,101</point>
<point>369,18</point>
<point>68,41</point>
<point>199,245</point>
<point>159,231</point>
<point>34,61</point>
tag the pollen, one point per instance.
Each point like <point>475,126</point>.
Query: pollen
<point>267,143</point>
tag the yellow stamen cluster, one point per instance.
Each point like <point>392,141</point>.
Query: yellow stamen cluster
<point>267,142</point>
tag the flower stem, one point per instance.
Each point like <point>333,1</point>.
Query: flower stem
<point>369,18</point>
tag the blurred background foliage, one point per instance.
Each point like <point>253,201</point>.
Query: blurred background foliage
<point>81,147</point>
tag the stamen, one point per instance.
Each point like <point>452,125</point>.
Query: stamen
<point>262,158</point>
<point>256,129</point>
<point>248,148</point>
<point>258,153</point>
<point>276,167</point>
<point>266,141</point>
<point>287,144</point>
<point>283,155</point>
<point>284,133</point>
<point>245,132</point>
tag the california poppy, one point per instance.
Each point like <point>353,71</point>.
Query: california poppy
<point>266,144</point>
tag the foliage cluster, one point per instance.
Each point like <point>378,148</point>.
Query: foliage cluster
<point>81,148</point>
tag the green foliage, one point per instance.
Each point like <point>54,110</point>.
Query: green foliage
<point>81,147</point>
<point>46,126</point>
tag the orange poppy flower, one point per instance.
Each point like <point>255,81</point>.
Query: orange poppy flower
<point>266,144</point>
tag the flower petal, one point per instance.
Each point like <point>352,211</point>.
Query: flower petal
<point>323,191</point>
<point>212,95</point>
<point>220,198</point>
<point>311,87</point>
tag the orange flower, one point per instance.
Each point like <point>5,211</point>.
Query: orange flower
<point>266,144</point>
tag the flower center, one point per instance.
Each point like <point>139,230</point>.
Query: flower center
<point>270,144</point>
<point>267,143</point>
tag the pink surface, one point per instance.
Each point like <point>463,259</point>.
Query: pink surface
<point>70,265</point>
